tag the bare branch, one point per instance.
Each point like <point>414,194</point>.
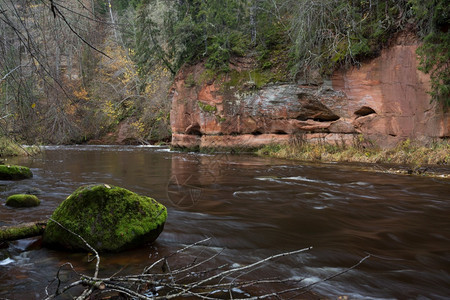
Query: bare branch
<point>175,253</point>
<point>97,265</point>
<point>171,285</point>
<point>77,34</point>
<point>309,286</point>
<point>9,73</point>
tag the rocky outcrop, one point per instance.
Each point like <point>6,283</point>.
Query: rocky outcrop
<point>387,97</point>
<point>385,100</point>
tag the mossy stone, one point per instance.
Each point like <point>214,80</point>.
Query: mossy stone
<point>10,172</point>
<point>109,218</point>
<point>22,200</point>
<point>207,107</point>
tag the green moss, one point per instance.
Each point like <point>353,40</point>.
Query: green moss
<point>207,75</point>
<point>207,107</point>
<point>21,231</point>
<point>11,172</point>
<point>262,78</point>
<point>190,81</point>
<point>22,200</point>
<point>253,79</point>
<point>220,119</point>
<point>236,78</point>
<point>109,218</point>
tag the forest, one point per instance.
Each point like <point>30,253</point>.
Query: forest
<point>71,71</point>
<point>277,180</point>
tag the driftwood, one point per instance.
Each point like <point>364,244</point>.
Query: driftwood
<point>192,280</point>
<point>22,231</point>
<point>164,280</point>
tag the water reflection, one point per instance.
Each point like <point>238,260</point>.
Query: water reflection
<point>254,208</point>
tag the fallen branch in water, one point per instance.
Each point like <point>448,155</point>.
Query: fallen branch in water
<point>22,231</point>
<point>196,279</point>
<point>92,282</point>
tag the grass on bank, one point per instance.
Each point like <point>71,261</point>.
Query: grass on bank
<point>405,153</point>
<point>9,148</point>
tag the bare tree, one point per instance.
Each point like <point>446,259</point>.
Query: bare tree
<point>42,43</point>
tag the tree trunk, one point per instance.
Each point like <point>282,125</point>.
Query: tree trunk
<point>113,21</point>
<point>253,22</point>
<point>22,231</point>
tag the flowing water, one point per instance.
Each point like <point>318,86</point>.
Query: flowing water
<point>251,208</point>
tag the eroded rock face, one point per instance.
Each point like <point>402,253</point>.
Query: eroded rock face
<point>385,100</point>
<point>387,97</point>
<point>205,117</point>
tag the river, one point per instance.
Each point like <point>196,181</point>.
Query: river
<point>252,208</point>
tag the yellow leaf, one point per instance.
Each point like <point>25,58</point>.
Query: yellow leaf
<point>33,105</point>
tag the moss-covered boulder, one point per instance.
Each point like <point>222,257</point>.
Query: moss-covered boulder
<point>10,172</point>
<point>109,218</point>
<point>22,200</point>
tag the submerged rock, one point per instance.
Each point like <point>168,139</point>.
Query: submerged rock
<point>22,200</point>
<point>10,172</point>
<point>109,218</point>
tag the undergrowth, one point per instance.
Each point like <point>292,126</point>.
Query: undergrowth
<point>9,148</point>
<point>362,150</point>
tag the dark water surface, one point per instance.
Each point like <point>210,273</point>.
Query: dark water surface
<point>252,208</point>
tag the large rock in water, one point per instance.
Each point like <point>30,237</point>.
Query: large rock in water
<point>109,218</point>
<point>10,172</point>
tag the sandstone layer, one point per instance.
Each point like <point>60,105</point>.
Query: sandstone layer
<point>385,100</point>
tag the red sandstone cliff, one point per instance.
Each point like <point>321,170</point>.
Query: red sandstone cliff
<point>393,87</point>
<point>385,100</point>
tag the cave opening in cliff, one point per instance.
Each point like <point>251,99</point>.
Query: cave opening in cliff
<point>280,132</point>
<point>365,111</point>
<point>256,132</point>
<point>194,130</point>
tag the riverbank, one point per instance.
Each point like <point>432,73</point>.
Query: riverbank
<point>9,148</point>
<point>409,157</point>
